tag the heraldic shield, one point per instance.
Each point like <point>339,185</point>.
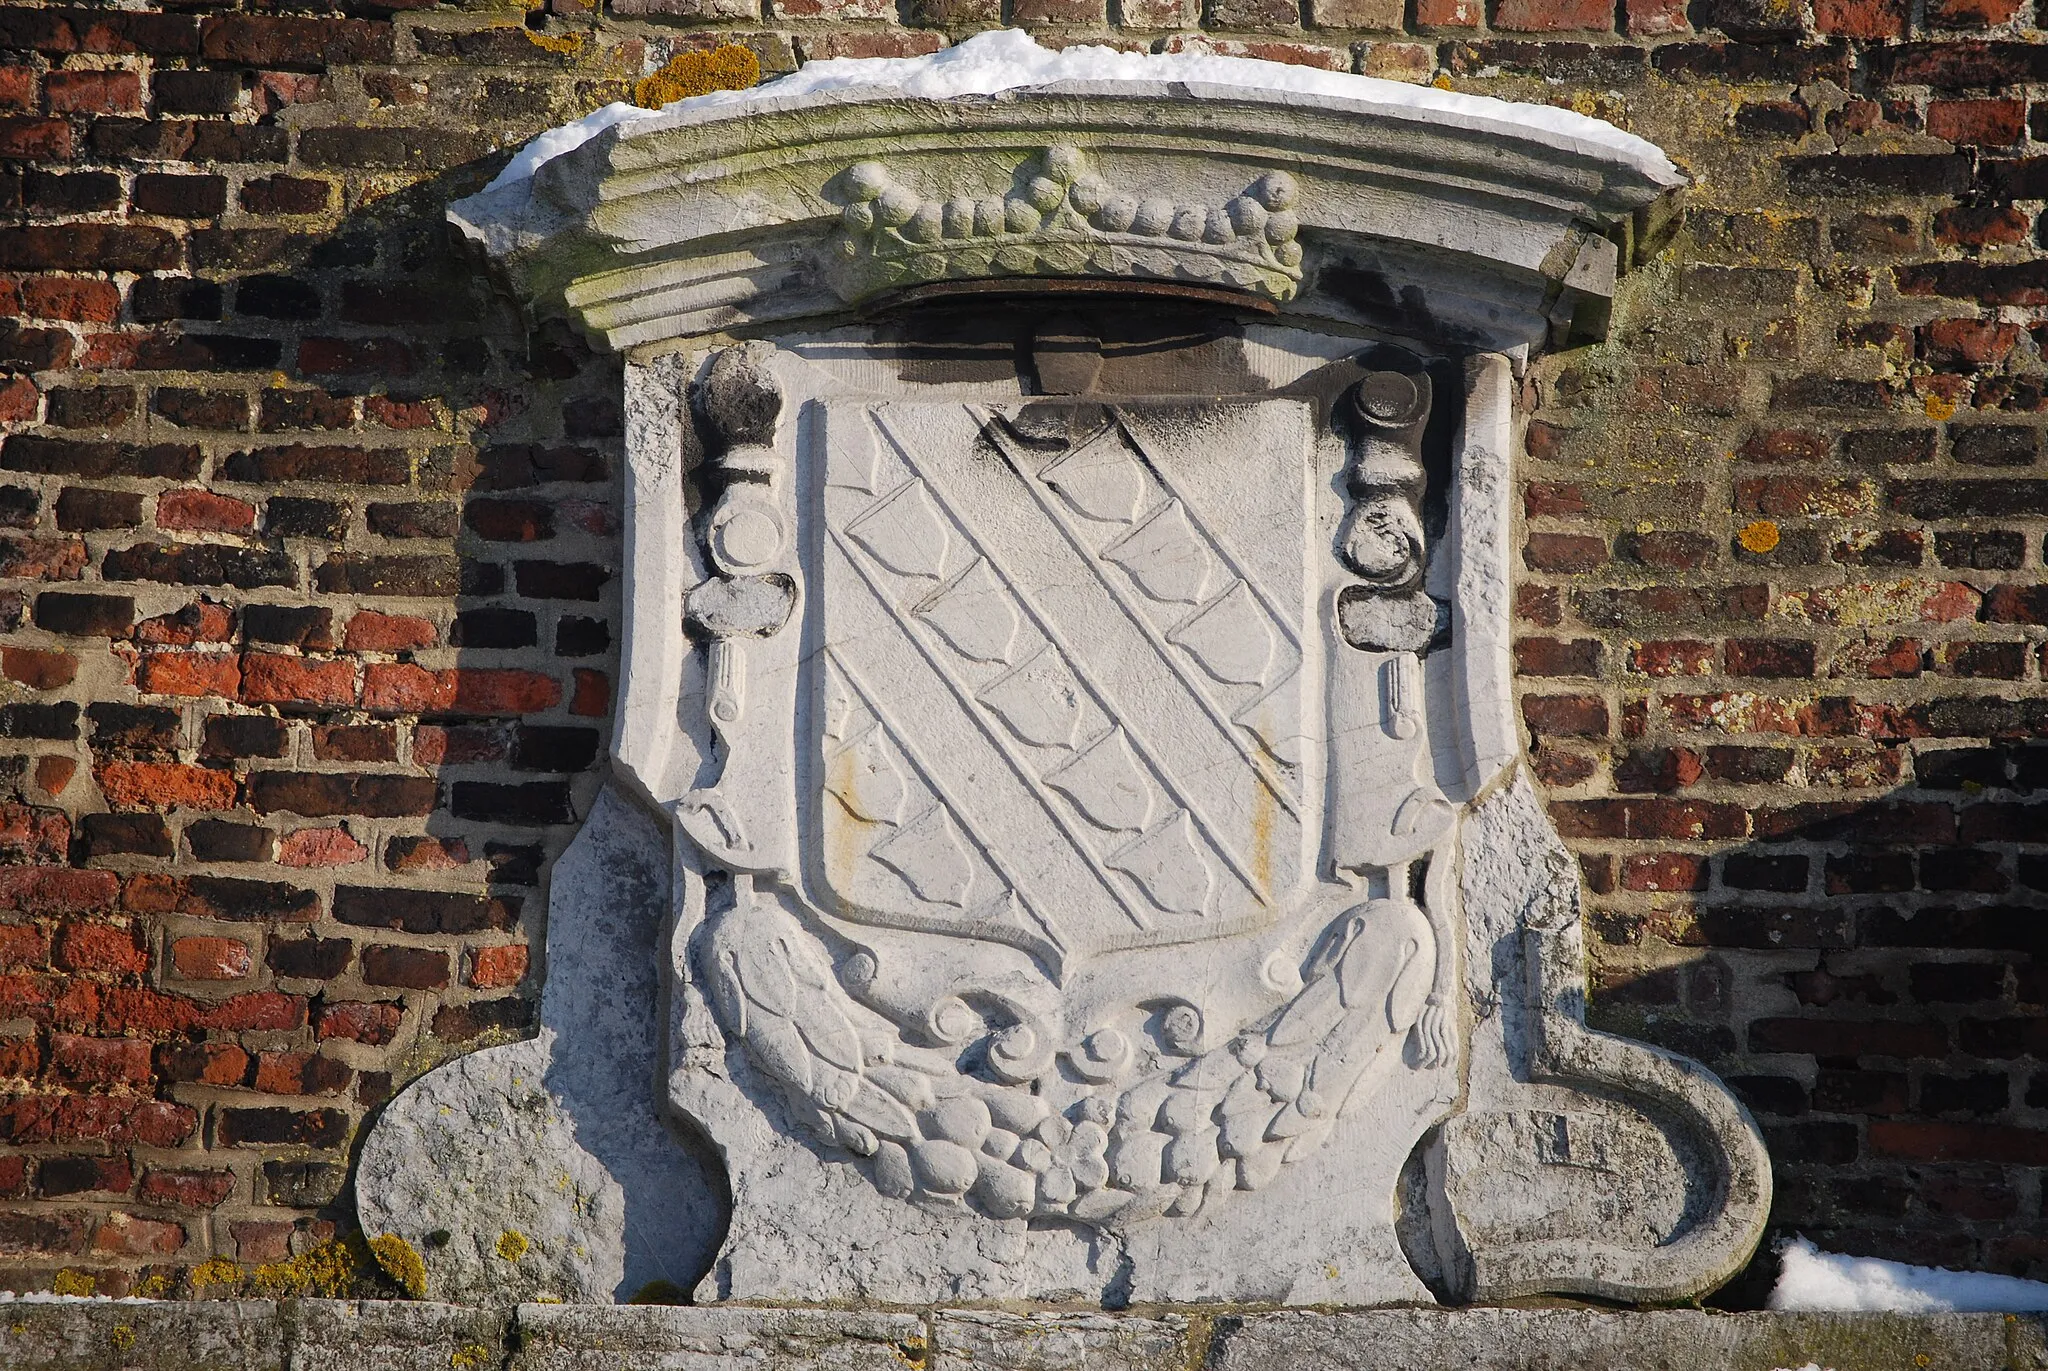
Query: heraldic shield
<point>1089,860</point>
<point>1068,602</point>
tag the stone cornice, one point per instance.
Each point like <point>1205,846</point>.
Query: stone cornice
<point>727,218</point>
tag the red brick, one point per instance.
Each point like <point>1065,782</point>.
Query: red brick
<point>1564,552</point>
<point>211,959</point>
<point>1960,1142</point>
<point>426,854</point>
<point>496,968</point>
<point>319,847</point>
<point>119,1122</point>
<point>57,890</point>
<point>129,1235</point>
<point>23,945</point>
<point>99,1062</point>
<point>204,1063</point>
<point>1553,16</point>
<point>1570,716</point>
<point>187,1189</point>
<point>358,1021</point>
<point>269,678</point>
<point>164,785</point>
<point>1988,123</point>
<point>262,1240</point>
<point>93,92</point>
<point>64,297</point>
<point>99,947</point>
<point>214,674</point>
<point>300,1073</point>
<point>199,622</point>
<point>203,511</point>
<point>1664,871</point>
<point>1981,226</point>
<point>1449,14</point>
<point>31,834</point>
<point>1652,18</point>
<point>38,668</point>
<point>405,688</point>
<point>370,631</point>
<point>593,696</point>
<point>1968,342</point>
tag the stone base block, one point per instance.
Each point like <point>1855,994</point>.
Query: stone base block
<point>332,1335</point>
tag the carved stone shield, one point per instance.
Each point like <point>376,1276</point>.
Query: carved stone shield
<point>1061,677</point>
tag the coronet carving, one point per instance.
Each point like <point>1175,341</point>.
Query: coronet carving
<point>1060,218</point>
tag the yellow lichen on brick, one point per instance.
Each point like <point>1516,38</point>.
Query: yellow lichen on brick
<point>468,1357</point>
<point>725,67</point>
<point>512,1244</point>
<point>401,1263</point>
<point>69,1282</point>
<point>220,1272</point>
<point>562,45</point>
<point>1759,537</point>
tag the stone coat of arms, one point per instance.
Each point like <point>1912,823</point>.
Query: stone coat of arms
<point>1067,638</point>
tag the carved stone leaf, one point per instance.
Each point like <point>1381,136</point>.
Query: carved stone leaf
<point>1165,556</point>
<point>1101,480</point>
<point>1039,702</point>
<point>864,777</point>
<point>905,533</point>
<point>930,857</point>
<point>1231,638</point>
<point>976,615</point>
<point>1106,784</point>
<point>1170,868</point>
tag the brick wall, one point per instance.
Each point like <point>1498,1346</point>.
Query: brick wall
<point>310,601</point>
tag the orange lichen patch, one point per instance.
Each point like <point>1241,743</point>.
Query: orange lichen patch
<point>1759,537</point>
<point>725,67</point>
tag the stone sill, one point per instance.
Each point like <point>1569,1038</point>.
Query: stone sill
<point>335,1335</point>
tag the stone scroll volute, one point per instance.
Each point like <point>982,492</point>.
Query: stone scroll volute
<point>1068,645</point>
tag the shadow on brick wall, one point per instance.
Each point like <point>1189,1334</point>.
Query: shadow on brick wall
<point>1871,976</point>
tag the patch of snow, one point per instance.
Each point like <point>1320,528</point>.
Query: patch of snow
<point>552,144</point>
<point>1815,1281</point>
<point>1006,59</point>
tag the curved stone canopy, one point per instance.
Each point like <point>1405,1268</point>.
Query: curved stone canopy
<point>1483,219</point>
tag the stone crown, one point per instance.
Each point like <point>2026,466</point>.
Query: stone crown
<point>1062,219</point>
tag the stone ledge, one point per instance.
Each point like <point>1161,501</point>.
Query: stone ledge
<point>335,1335</point>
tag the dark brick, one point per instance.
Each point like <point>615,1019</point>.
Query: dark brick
<point>536,802</point>
<point>346,573</point>
<point>109,835</point>
<point>493,628</point>
<point>314,959</point>
<point>196,92</point>
<point>301,626</point>
<point>279,1127</point>
<point>57,722</point>
<point>1981,550</point>
<point>396,149</point>
<point>1969,499</point>
<point>217,840</point>
<point>245,735</point>
<point>294,43</point>
<point>290,516</point>
<point>1910,173</point>
<point>179,197</point>
<point>201,564</point>
<point>132,728</point>
<point>91,406</point>
<point>81,509</point>
<point>276,297</point>
<point>406,968</point>
<point>85,616</point>
<point>287,195</point>
<point>155,299</point>
<point>423,911</point>
<point>543,748</point>
<point>458,1023</point>
<point>320,794</point>
<point>96,461</point>
<point>580,637</point>
<point>412,519</point>
<point>349,466</point>
<point>1993,445</point>
<point>77,192</point>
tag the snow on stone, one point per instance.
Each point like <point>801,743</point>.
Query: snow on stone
<point>1006,59</point>
<point>1815,1281</point>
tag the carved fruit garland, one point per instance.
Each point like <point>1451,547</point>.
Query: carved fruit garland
<point>1227,1119</point>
